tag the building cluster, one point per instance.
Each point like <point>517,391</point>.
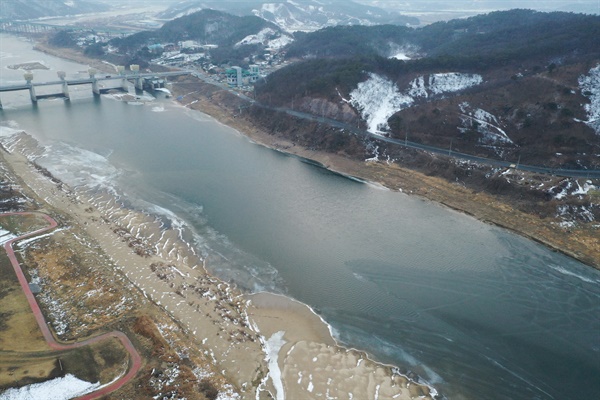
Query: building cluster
<point>191,54</point>
<point>239,77</point>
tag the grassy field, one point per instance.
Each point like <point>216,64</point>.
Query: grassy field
<point>25,357</point>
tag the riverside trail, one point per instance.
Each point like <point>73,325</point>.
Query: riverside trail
<point>136,360</point>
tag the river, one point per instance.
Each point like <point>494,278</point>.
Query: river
<point>477,311</point>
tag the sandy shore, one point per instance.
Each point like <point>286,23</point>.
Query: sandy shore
<point>263,344</point>
<point>310,365</point>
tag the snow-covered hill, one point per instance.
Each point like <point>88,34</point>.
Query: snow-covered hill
<point>297,15</point>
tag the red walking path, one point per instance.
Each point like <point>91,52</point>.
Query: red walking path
<point>136,360</point>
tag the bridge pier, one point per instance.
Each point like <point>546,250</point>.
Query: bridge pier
<point>65,90</point>
<point>65,85</point>
<point>32,94</point>
<point>137,81</point>
<point>95,87</point>
<point>29,77</point>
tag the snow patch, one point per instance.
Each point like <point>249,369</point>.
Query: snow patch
<point>272,347</point>
<point>258,38</point>
<point>5,236</point>
<point>452,82</point>
<point>590,88</point>
<point>484,123</point>
<point>378,98</point>
<point>64,388</point>
<point>267,37</point>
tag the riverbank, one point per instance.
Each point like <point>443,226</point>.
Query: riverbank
<point>580,242</point>
<point>341,180</point>
<point>236,331</point>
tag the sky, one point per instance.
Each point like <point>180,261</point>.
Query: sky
<point>408,6</point>
<point>436,5</point>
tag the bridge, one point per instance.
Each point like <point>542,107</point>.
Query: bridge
<point>138,79</point>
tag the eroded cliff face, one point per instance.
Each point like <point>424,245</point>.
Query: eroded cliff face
<point>340,110</point>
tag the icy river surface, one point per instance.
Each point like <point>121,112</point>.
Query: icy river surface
<point>477,311</point>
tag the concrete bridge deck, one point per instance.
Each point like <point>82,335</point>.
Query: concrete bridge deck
<point>136,77</point>
<point>84,81</point>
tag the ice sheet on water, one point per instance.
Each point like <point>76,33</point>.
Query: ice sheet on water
<point>565,271</point>
<point>78,167</point>
<point>9,130</point>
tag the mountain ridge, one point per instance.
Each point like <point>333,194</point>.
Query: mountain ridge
<point>31,9</point>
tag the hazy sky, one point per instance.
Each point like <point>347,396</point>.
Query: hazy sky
<point>436,5</point>
<point>588,6</point>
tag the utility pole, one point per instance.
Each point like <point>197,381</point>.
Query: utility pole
<point>450,149</point>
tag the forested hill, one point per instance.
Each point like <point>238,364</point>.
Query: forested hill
<point>206,27</point>
<point>304,15</point>
<point>508,84</point>
<point>338,57</point>
<point>502,35</point>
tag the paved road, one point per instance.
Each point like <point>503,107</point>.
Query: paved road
<point>569,173</point>
<point>135,358</point>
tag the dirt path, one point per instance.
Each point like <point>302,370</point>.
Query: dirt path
<point>136,360</point>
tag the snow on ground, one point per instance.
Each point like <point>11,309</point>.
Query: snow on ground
<point>5,236</point>
<point>571,187</point>
<point>64,388</point>
<point>267,37</point>
<point>401,56</point>
<point>272,347</point>
<point>259,38</point>
<point>279,42</point>
<point>587,186</point>
<point>403,52</point>
<point>590,87</point>
<point>483,122</point>
<point>452,82</point>
<point>378,98</point>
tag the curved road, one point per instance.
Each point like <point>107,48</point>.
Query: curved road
<point>136,360</point>
<point>568,173</point>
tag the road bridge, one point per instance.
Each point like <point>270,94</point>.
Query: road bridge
<point>134,76</point>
